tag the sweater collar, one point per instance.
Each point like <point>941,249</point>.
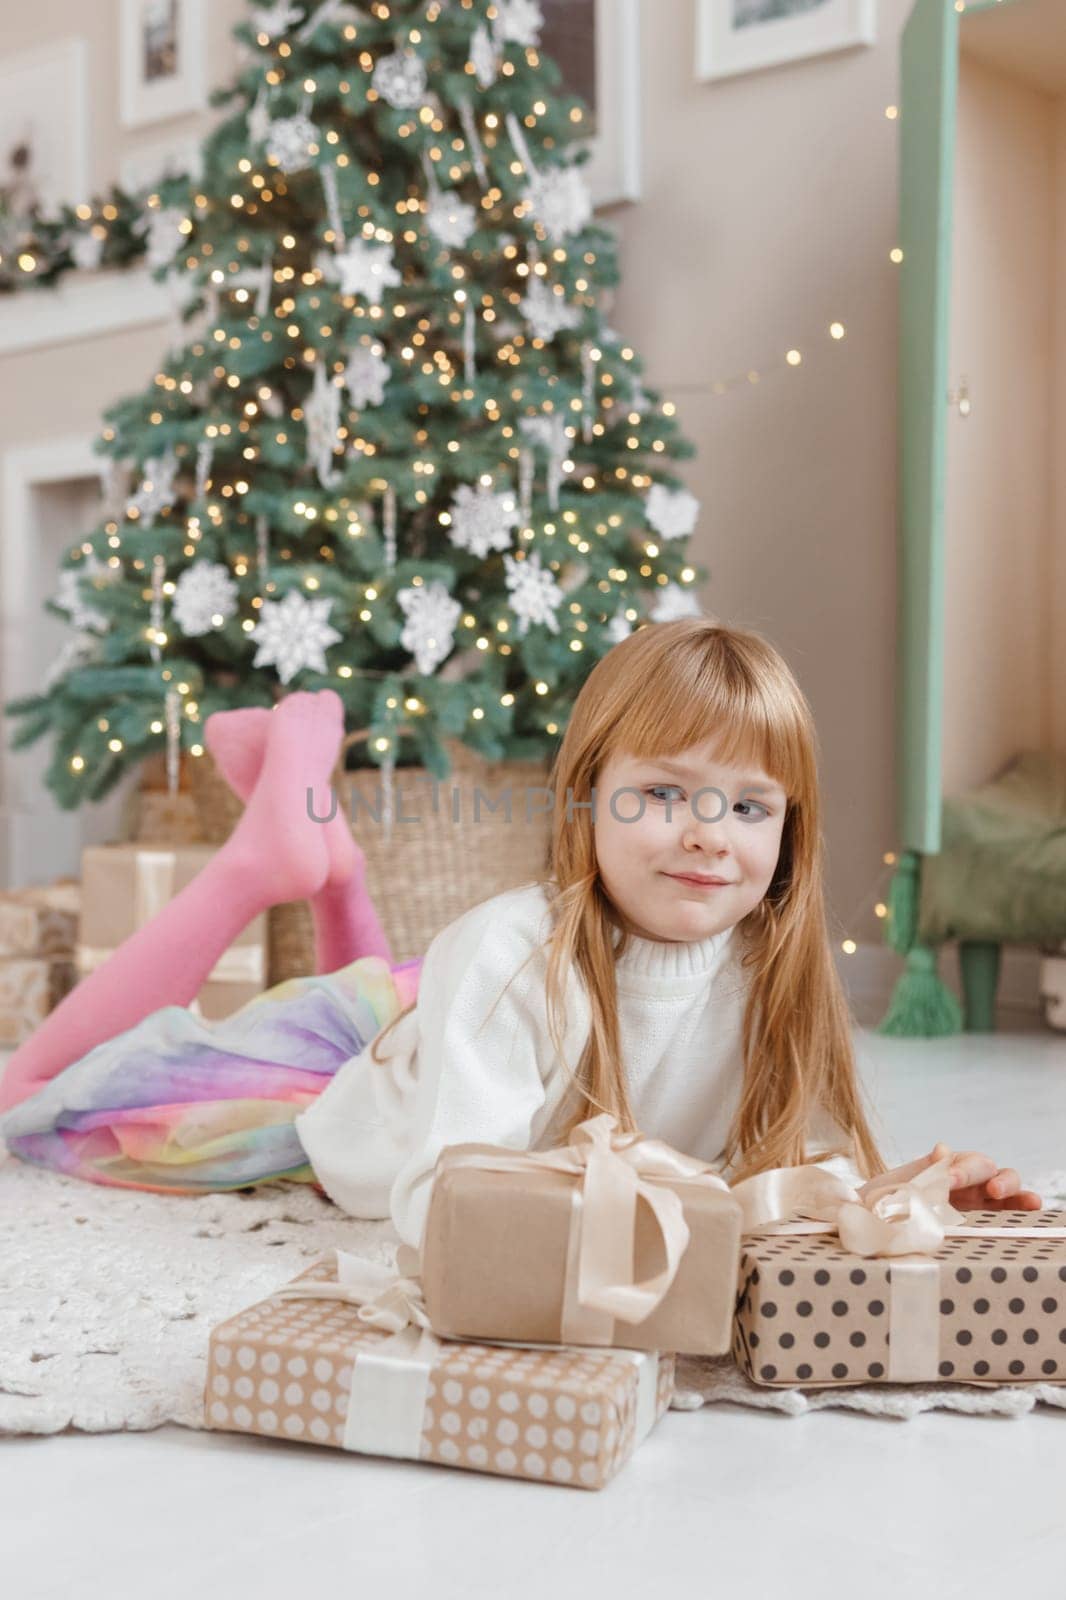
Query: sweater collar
<point>658,958</point>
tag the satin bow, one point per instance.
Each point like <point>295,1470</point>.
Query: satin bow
<point>902,1212</point>
<point>385,1296</point>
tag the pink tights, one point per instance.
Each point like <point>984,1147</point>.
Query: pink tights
<point>277,853</point>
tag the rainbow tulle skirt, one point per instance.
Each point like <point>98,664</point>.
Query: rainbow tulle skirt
<point>180,1105</point>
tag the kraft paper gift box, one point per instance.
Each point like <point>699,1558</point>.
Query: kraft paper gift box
<point>609,1239</point>
<point>124,885</point>
<point>343,1356</point>
<point>921,1293</point>
<point>41,920</point>
<point>31,987</point>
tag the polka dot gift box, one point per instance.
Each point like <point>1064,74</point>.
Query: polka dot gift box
<point>986,1307</point>
<point>311,1369</point>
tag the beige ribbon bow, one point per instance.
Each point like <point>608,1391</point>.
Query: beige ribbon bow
<point>617,1170</point>
<point>385,1297</point>
<point>902,1212</point>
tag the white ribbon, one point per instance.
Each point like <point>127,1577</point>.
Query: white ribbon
<point>390,1380</point>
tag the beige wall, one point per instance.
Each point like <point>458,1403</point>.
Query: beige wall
<point>998,527</point>
<point>769,211</point>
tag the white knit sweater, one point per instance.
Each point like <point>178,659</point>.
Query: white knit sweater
<point>474,1061</point>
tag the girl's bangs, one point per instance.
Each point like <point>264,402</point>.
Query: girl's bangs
<point>672,717</point>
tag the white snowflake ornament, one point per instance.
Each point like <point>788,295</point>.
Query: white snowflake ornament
<point>484,56</point>
<point>671,512</point>
<point>166,235</point>
<point>362,268</point>
<point>450,219</point>
<point>289,141</point>
<point>618,627</point>
<point>292,635</point>
<point>673,602</point>
<point>520,22</point>
<point>274,20</point>
<point>69,598</point>
<point>546,312</point>
<point>366,375</point>
<point>482,519</point>
<point>534,593</point>
<point>157,489</point>
<point>401,80</point>
<point>560,200</point>
<point>429,632</point>
<point>205,597</point>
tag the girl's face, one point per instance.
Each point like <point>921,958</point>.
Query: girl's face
<point>657,820</point>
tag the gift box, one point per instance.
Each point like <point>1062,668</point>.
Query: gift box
<point>124,885</point>
<point>41,920</point>
<point>609,1239</point>
<point>979,1298</point>
<point>31,987</point>
<point>343,1356</point>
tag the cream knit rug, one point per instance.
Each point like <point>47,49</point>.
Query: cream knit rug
<point>107,1297</point>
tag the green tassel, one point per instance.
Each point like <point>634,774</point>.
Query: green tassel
<point>922,1005</point>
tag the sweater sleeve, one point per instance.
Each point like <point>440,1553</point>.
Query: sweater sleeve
<point>483,1050</point>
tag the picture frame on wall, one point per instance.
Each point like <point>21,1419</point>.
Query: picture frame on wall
<point>596,44</point>
<point>44,129</point>
<point>162,67</point>
<point>734,36</point>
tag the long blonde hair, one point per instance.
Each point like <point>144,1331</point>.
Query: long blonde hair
<point>665,688</point>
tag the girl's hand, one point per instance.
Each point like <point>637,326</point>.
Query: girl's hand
<point>977,1184</point>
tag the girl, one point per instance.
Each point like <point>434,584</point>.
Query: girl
<point>674,968</point>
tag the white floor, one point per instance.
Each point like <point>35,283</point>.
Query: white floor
<point>719,1500</point>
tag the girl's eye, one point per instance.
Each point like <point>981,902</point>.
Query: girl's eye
<point>763,809</point>
<point>653,791</point>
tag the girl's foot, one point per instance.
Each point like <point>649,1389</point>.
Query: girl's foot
<point>277,837</point>
<point>238,741</point>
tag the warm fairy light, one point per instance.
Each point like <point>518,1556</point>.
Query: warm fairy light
<point>793,358</point>
<point>115,745</point>
<point>892,112</point>
<point>837,330</point>
<point>77,763</point>
<point>880,909</point>
<point>895,254</point>
<point>849,947</point>
<point>889,858</point>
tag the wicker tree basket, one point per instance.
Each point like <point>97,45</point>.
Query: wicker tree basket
<point>437,862</point>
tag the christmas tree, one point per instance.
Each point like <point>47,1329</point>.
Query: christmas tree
<point>399,452</point>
